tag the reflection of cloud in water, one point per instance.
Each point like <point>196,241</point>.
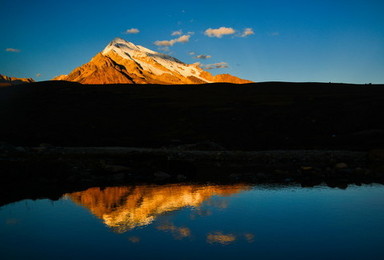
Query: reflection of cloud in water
<point>249,237</point>
<point>124,208</point>
<point>178,232</point>
<point>134,239</point>
<point>220,238</point>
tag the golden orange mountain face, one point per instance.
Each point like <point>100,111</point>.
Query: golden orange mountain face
<point>124,208</point>
<point>126,63</point>
<point>8,81</point>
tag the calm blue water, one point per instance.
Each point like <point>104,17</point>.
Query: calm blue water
<point>198,222</point>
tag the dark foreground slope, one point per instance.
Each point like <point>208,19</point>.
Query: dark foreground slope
<point>236,117</point>
<point>306,129</point>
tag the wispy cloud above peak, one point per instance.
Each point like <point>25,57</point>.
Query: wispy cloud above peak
<point>203,57</point>
<point>132,31</point>
<point>182,39</point>
<point>164,43</point>
<point>247,32</point>
<point>219,65</point>
<point>219,32</point>
<point>12,50</point>
<point>175,33</point>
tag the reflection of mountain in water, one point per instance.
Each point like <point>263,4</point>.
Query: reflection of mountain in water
<point>124,208</point>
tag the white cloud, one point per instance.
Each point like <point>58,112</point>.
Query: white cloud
<point>182,39</point>
<point>179,32</point>
<point>38,75</point>
<point>203,57</point>
<point>218,33</point>
<point>132,31</point>
<point>12,50</point>
<point>191,53</point>
<point>219,65</point>
<point>247,32</point>
<point>164,43</point>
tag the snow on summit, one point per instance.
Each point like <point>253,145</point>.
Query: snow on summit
<point>128,50</point>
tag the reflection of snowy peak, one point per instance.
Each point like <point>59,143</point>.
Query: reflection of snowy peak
<point>125,62</point>
<point>124,208</point>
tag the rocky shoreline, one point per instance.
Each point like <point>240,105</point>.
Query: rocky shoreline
<point>48,172</point>
<point>146,164</point>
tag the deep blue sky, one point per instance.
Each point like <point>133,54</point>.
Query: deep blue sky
<point>293,40</point>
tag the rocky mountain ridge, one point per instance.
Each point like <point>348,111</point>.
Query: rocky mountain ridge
<point>8,81</point>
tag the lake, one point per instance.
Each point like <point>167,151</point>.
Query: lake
<point>195,221</point>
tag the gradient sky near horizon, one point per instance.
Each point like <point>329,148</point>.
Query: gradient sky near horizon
<point>266,40</point>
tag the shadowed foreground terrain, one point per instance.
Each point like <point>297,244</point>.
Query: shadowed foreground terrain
<point>59,137</point>
<point>261,116</point>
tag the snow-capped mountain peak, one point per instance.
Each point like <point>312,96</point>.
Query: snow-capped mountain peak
<point>125,62</point>
<point>118,43</point>
<point>151,61</point>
